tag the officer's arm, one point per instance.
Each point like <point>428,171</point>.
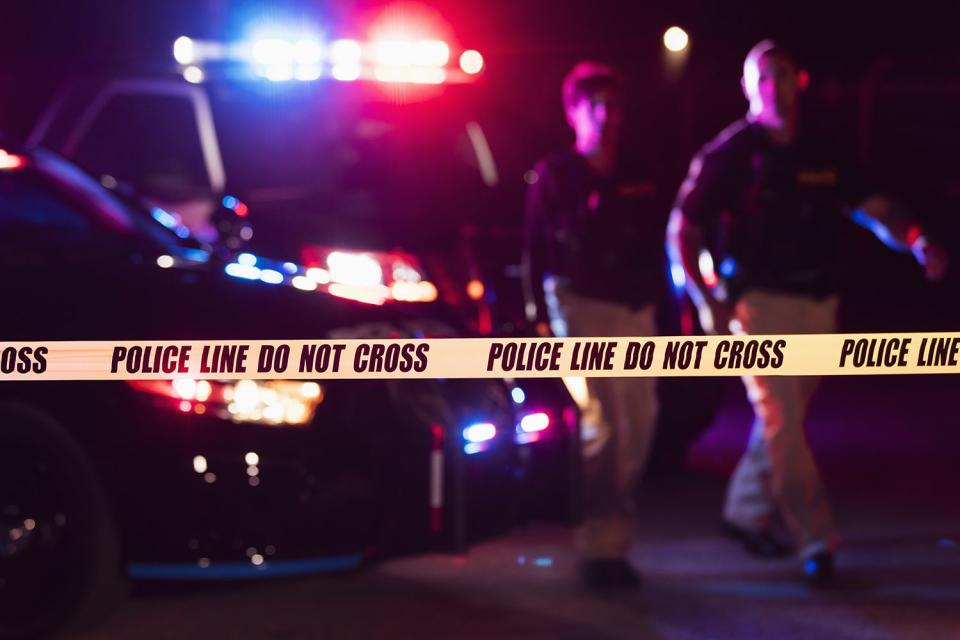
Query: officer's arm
<point>535,248</point>
<point>700,199</point>
<point>685,242</point>
<point>893,225</point>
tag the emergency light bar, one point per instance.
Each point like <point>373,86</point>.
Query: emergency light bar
<point>396,60</point>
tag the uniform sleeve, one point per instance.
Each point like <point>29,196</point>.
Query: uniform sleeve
<point>538,237</point>
<point>705,192</point>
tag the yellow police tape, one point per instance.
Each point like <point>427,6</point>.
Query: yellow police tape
<point>778,355</point>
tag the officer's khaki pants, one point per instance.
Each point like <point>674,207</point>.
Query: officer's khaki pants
<point>777,471</point>
<point>618,420</point>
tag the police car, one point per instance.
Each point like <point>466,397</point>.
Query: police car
<point>328,145</point>
<point>216,480</point>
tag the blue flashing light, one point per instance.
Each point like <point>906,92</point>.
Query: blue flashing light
<point>182,232</point>
<point>474,447</point>
<point>230,202</point>
<point>244,271</point>
<point>543,562</point>
<point>289,267</point>
<point>518,395</point>
<point>247,259</point>
<point>196,255</point>
<point>163,217</point>
<point>527,438</point>
<point>728,267</point>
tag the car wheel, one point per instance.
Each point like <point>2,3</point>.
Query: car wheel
<point>59,551</point>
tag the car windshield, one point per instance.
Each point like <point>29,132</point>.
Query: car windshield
<point>336,164</point>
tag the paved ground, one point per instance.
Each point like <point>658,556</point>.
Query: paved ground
<point>889,451</point>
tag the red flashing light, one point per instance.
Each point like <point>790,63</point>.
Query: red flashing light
<point>11,161</point>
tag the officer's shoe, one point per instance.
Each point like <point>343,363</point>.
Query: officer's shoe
<point>608,573</point>
<point>818,570</point>
<point>758,543</point>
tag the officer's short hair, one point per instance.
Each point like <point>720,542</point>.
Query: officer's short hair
<point>769,46</point>
<point>587,78</point>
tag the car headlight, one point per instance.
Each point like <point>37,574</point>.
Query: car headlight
<point>372,277</point>
<point>268,402</point>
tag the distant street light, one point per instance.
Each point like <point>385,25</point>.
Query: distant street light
<point>675,39</point>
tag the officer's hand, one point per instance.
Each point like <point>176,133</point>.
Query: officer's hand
<point>715,317</point>
<point>932,257</point>
<point>542,329</point>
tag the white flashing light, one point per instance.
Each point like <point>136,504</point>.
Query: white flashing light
<point>678,276</point>
<point>193,74</point>
<point>303,283</point>
<point>345,56</point>
<point>471,62</point>
<point>675,39</point>
<point>428,75</point>
<point>307,73</point>
<point>318,275</point>
<point>185,388</point>
<point>368,294</point>
<point>393,53</point>
<point>480,432</point>
<point>165,261</point>
<point>202,391</point>
<point>279,72</point>
<point>308,52</point>
<point>422,291</point>
<point>705,262</point>
<point>345,72</point>
<point>519,397</point>
<point>247,259</point>
<point>271,276</point>
<point>354,269</point>
<point>184,50</point>
<point>310,390</point>
<point>345,52</point>
<point>242,271</point>
<point>433,53</point>
<point>273,51</point>
<point>534,422</point>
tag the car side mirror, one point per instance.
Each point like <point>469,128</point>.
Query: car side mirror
<point>234,229</point>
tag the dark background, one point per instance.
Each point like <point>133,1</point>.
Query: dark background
<point>885,87</point>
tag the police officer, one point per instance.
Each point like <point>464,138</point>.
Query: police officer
<point>593,265</point>
<point>769,200</point>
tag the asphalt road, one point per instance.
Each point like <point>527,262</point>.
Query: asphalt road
<point>888,448</point>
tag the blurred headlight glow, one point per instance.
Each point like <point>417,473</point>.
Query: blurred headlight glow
<point>272,402</point>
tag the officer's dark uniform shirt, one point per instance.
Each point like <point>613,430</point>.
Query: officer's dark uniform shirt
<point>595,234</point>
<point>774,210</point>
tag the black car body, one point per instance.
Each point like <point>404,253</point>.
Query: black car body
<point>153,480</point>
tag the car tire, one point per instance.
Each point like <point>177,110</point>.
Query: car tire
<point>68,548</point>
